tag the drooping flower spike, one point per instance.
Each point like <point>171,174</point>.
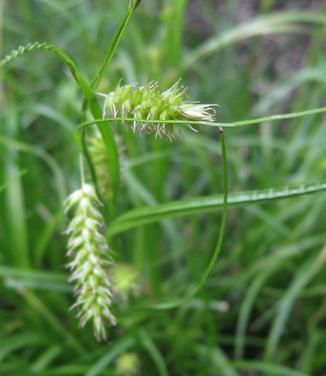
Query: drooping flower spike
<point>88,250</point>
<point>99,155</point>
<point>145,104</point>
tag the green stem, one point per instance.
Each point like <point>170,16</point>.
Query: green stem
<point>91,99</point>
<point>82,169</point>
<point>235,124</point>
<point>112,48</point>
<point>218,247</point>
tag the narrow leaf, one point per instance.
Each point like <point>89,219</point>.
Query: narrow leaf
<point>205,204</point>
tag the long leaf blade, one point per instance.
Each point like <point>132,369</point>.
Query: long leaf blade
<point>145,215</point>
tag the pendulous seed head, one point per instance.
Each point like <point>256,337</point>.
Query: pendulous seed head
<point>128,364</point>
<point>127,282</point>
<point>100,158</point>
<point>87,251</point>
<point>146,104</point>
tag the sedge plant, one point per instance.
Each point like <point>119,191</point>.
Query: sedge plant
<point>152,111</point>
<point>148,111</point>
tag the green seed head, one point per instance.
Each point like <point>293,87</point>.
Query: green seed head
<point>127,282</point>
<point>127,364</point>
<point>146,104</point>
<point>99,155</point>
<point>87,250</point>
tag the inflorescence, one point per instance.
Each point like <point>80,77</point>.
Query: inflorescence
<point>146,104</point>
<point>146,109</point>
<point>87,250</point>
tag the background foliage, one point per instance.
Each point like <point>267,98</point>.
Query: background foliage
<point>263,309</point>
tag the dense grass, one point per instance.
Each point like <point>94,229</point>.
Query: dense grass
<point>262,310</point>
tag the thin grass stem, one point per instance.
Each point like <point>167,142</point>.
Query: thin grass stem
<point>218,248</point>
<point>235,124</point>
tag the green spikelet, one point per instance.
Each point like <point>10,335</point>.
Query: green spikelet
<point>88,250</point>
<point>126,281</point>
<point>144,103</point>
<point>128,364</point>
<point>99,156</point>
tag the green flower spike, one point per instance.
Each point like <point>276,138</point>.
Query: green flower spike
<point>88,249</point>
<point>99,155</point>
<point>98,152</point>
<point>127,282</point>
<point>145,104</point>
<point>127,364</point>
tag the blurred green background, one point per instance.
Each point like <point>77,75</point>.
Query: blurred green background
<point>263,309</point>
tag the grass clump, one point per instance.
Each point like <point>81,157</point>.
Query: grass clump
<point>193,307</point>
